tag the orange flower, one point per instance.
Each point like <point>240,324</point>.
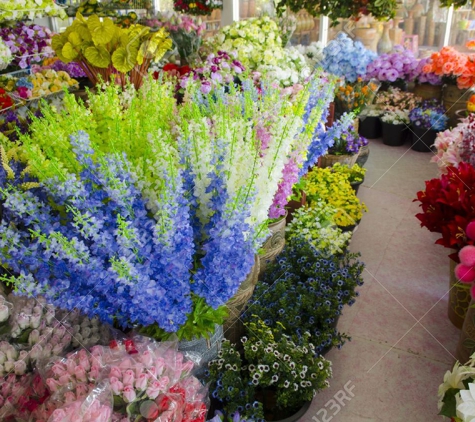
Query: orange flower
<point>470,44</point>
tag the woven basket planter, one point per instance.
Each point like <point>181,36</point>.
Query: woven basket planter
<point>329,160</point>
<point>274,245</point>
<point>233,326</point>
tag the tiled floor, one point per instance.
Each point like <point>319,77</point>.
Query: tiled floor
<point>402,341</point>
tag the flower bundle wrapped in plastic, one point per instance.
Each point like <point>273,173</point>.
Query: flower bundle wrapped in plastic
<point>15,10</point>
<point>185,31</point>
<point>355,96</point>
<point>346,58</point>
<point>394,67</point>
<point>28,44</point>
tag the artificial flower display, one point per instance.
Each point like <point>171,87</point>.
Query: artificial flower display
<point>324,186</point>
<point>421,77</point>
<point>49,82</point>
<point>105,51</point>
<point>16,10</point>
<point>396,117</point>
<point>454,67</point>
<point>446,205</point>
<point>28,44</point>
<point>313,53</point>
<point>185,31</point>
<point>395,67</point>
<point>208,195</point>
<point>346,58</point>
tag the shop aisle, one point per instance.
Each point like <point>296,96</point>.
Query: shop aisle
<point>402,341</point>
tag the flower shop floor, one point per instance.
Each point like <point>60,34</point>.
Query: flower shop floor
<point>402,341</point>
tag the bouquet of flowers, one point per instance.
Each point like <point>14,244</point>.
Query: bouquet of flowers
<point>313,53</point>
<point>324,186</point>
<point>447,205</point>
<point>454,67</point>
<point>430,115</point>
<point>257,42</point>
<point>346,58</point>
<point>16,10</point>
<point>185,31</point>
<point>5,55</point>
<point>397,117</point>
<point>354,96</point>
<point>421,77</point>
<point>456,145</point>
<point>123,62</point>
<point>192,7</point>
<point>28,43</point>
<point>395,99</point>
<point>457,392</point>
<point>396,67</point>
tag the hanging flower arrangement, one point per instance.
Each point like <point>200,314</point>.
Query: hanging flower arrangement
<point>194,7</point>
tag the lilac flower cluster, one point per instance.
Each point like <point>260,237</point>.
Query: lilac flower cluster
<point>344,137</point>
<point>101,254</point>
<point>421,77</point>
<point>28,43</point>
<point>346,58</point>
<point>430,115</point>
<point>391,67</point>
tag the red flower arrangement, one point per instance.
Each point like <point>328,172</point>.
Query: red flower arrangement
<point>5,100</point>
<point>197,7</point>
<point>448,206</point>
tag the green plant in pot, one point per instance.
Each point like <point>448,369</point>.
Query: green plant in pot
<point>355,174</point>
<point>272,378</point>
<point>306,290</point>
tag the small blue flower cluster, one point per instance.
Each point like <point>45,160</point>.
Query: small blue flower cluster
<point>346,58</point>
<point>430,115</point>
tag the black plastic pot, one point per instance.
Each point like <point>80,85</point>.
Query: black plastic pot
<point>422,139</point>
<point>356,186</point>
<point>394,135</point>
<point>370,127</point>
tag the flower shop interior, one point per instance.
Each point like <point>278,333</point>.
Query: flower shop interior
<point>237,210</point>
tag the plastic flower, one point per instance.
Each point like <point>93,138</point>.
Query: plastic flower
<point>392,67</point>
<point>429,116</point>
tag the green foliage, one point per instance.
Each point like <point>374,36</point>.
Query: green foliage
<point>200,323</point>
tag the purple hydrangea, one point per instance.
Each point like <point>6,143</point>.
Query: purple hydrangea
<point>391,67</point>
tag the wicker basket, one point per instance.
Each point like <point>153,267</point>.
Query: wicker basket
<point>274,245</point>
<point>233,326</point>
<point>329,160</point>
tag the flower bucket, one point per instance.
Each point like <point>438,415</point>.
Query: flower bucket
<point>422,139</point>
<point>356,186</point>
<point>459,299</point>
<point>233,326</point>
<point>274,244</point>
<point>454,99</point>
<point>293,206</point>
<point>466,344</point>
<point>394,135</point>
<point>370,127</point>
<point>329,159</point>
<point>267,397</point>
<point>202,350</point>
<point>428,91</point>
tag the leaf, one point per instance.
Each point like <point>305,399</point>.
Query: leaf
<point>75,39</point>
<point>98,56</point>
<point>83,30</point>
<point>57,43</point>
<point>69,52</point>
<point>101,32</point>
<point>449,406</point>
<point>124,59</point>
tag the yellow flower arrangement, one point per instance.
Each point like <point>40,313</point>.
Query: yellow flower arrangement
<point>334,188</point>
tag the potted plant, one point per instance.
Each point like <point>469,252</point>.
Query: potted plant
<point>272,378</point>
<point>426,121</point>
<point>370,122</point>
<point>323,185</point>
<point>355,174</point>
<point>395,124</point>
<point>346,142</point>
